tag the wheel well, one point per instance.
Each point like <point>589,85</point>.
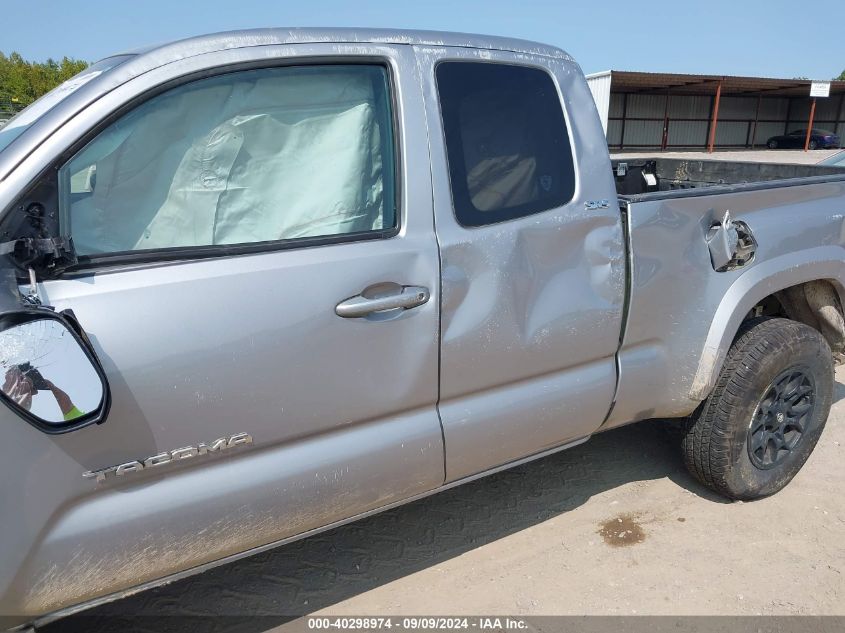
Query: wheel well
<point>814,303</point>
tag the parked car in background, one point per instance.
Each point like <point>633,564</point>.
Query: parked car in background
<point>819,139</point>
<point>837,160</point>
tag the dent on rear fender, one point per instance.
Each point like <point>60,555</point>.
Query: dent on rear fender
<point>683,315</point>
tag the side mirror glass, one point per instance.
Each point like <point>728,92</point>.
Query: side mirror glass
<point>49,375</point>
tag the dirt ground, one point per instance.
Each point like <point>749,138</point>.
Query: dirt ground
<point>755,155</point>
<point>615,526</point>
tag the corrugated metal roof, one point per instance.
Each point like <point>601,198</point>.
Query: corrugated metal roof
<point>680,84</point>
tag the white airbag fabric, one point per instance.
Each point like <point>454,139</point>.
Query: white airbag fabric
<point>262,157</point>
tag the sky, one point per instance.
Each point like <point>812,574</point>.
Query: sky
<point>777,38</point>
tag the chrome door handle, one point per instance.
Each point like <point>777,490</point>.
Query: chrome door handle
<point>360,306</point>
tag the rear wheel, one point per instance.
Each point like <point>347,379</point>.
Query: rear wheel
<point>769,407</point>
<point>813,144</point>
<point>772,144</point>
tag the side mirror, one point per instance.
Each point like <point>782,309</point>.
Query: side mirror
<point>49,373</point>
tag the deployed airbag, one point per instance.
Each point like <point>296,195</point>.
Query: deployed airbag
<point>254,156</point>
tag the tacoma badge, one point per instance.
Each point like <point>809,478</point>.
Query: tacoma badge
<point>169,457</point>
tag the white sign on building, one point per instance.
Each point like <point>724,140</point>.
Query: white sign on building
<point>820,89</point>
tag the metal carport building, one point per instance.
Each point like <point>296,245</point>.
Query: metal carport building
<point>674,111</point>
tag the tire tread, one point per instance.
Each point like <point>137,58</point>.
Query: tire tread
<point>708,434</point>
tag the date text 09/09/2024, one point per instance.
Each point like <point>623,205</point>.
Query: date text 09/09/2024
<point>418,623</point>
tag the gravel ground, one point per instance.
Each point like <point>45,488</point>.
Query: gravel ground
<point>756,156</point>
<point>615,526</point>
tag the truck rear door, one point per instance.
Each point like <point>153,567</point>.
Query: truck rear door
<point>532,254</point>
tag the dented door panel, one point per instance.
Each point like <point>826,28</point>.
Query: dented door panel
<point>531,307</point>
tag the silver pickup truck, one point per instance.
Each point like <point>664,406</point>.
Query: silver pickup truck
<point>260,283</point>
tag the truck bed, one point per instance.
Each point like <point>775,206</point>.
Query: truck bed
<point>653,178</point>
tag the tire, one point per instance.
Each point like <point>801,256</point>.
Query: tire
<point>813,145</point>
<point>728,443</point>
<point>772,144</point>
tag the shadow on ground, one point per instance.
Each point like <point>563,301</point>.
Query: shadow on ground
<point>838,392</point>
<point>300,578</point>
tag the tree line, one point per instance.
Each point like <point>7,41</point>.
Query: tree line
<point>22,81</point>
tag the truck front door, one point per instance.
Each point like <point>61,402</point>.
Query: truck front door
<point>258,264</point>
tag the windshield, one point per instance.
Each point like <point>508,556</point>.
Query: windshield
<point>837,160</point>
<point>18,124</point>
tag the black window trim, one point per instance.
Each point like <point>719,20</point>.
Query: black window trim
<point>503,62</point>
<point>118,260</point>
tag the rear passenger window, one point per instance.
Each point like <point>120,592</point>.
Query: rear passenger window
<point>506,141</point>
